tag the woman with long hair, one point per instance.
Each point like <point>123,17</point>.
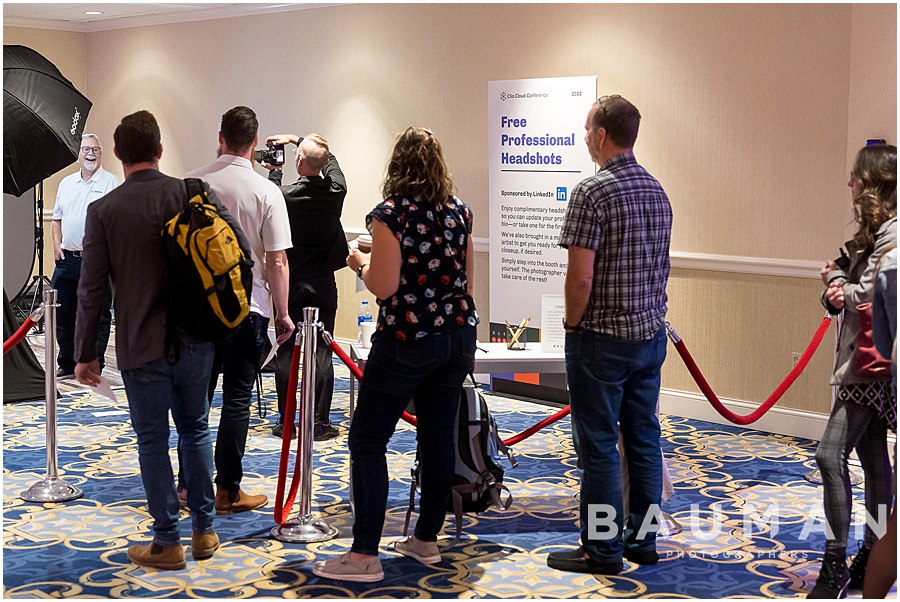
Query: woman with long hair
<point>421,271</point>
<point>860,401</point>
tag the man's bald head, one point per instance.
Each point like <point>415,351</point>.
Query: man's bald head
<point>312,155</point>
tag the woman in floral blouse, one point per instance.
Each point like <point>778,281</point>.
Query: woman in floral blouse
<point>421,271</point>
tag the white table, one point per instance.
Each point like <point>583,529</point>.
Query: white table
<point>490,358</point>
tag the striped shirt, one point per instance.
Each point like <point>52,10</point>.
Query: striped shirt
<point>624,215</point>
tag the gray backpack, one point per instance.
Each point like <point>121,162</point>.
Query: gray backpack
<point>478,479</point>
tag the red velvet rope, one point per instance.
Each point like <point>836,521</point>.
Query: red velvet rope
<point>17,337</point>
<point>282,510</point>
<point>357,372</point>
<point>773,398</point>
<point>532,430</point>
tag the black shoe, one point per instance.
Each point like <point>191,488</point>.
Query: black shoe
<point>858,567</point>
<point>62,374</point>
<point>833,579</point>
<point>642,558</point>
<point>574,561</point>
<point>324,432</point>
<point>278,431</point>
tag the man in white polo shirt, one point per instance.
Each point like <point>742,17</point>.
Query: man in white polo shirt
<point>75,193</point>
<point>258,206</point>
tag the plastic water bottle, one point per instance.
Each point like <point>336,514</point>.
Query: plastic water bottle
<point>365,315</point>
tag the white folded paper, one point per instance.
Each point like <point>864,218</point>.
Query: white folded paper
<point>105,389</point>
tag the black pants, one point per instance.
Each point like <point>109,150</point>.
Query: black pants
<point>65,281</point>
<point>321,293</point>
<point>240,364</point>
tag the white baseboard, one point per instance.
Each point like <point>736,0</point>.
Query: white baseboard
<point>784,421</point>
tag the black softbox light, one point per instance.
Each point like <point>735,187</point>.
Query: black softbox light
<point>43,119</point>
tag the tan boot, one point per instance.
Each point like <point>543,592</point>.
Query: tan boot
<point>204,545</point>
<point>229,503</point>
<point>168,558</point>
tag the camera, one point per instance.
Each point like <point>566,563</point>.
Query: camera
<point>274,154</point>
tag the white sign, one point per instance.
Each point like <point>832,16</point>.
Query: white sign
<point>537,155</point>
<point>553,336</point>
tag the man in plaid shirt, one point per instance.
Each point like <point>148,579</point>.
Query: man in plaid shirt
<point>617,232</point>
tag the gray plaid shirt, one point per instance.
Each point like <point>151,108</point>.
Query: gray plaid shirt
<point>624,215</point>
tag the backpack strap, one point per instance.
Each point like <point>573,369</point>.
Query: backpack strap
<point>261,410</point>
<point>456,496</point>
<point>496,493</point>
<point>412,493</point>
<point>193,187</point>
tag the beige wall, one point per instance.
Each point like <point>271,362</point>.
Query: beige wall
<point>751,116</point>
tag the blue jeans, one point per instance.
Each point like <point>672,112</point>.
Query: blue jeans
<point>240,363</point>
<point>154,389</point>
<point>65,281</point>
<point>431,371</point>
<point>615,383</point>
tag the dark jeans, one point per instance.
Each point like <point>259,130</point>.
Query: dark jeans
<point>210,393</point>
<point>154,389</point>
<point>65,281</point>
<point>615,383</point>
<point>432,371</point>
<point>240,362</point>
<point>321,293</point>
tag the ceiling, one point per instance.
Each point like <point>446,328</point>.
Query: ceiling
<point>71,17</point>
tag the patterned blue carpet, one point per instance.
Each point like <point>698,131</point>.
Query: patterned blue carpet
<point>78,549</point>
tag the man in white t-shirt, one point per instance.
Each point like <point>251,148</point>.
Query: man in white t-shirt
<point>258,206</point>
<point>75,193</point>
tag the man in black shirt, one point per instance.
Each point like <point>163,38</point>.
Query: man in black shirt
<point>314,204</point>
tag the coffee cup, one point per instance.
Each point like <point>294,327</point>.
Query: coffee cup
<point>364,243</point>
<point>366,329</point>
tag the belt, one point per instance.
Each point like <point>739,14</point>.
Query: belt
<point>72,253</point>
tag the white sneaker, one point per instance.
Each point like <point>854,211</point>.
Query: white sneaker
<point>425,552</point>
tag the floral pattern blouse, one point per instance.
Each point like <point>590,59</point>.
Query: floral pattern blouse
<point>432,297</point>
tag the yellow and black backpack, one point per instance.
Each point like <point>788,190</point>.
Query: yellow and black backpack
<point>210,269</point>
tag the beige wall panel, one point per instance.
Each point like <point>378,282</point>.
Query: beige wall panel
<point>873,83</point>
<point>733,97</point>
<point>741,331</point>
<point>65,49</point>
<point>348,304</point>
<point>483,294</point>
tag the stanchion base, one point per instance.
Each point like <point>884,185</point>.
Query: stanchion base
<point>668,526</point>
<point>306,529</point>
<point>814,476</point>
<point>51,489</point>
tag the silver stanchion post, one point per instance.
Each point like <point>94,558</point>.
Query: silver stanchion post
<point>52,488</point>
<point>306,527</point>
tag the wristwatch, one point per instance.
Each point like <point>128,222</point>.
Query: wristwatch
<point>360,269</point>
<point>567,326</point>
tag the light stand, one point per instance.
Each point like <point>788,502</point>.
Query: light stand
<point>30,296</point>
